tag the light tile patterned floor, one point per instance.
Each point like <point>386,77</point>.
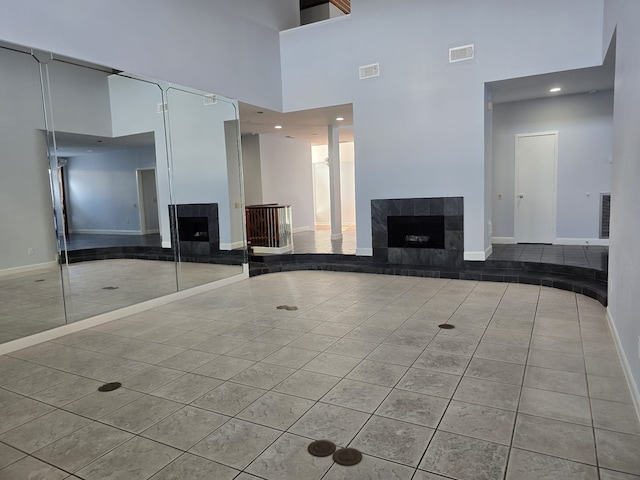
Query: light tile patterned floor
<point>32,302</point>
<point>224,385</point>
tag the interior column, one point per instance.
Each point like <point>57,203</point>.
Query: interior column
<point>334,183</point>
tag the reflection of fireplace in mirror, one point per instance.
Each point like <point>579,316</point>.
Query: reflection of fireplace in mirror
<point>198,231</point>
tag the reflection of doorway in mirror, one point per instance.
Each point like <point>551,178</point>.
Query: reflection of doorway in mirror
<point>148,201</point>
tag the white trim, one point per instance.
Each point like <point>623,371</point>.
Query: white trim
<point>106,232</point>
<point>478,256</point>
<point>306,228</point>
<point>633,386</point>
<point>503,240</point>
<point>364,252</point>
<point>27,268</point>
<point>517,178</point>
<point>58,332</point>
<point>231,246</point>
<point>336,236</point>
<point>313,24</point>
<point>581,241</point>
<point>273,250</point>
<point>166,244</point>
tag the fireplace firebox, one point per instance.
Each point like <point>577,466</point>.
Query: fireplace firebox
<point>406,231</point>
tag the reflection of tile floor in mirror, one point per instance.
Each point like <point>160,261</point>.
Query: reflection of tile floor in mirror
<point>31,302</point>
<point>528,386</point>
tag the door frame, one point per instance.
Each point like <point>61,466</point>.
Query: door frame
<point>141,205</point>
<point>516,224</point>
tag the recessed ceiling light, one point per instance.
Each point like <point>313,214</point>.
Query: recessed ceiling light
<point>259,113</point>
<point>89,151</point>
<point>554,90</point>
<point>339,119</point>
<point>278,127</point>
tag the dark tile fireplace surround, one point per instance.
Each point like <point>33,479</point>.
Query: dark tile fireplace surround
<point>418,231</point>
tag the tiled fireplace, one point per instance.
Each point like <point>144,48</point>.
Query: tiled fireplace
<point>198,229</point>
<point>418,231</point>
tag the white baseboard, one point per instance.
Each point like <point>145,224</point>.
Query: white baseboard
<point>364,252</point>
<point>479,256</point>
<point>61,331</point>
<point>301,229</point>
<point>27,268</point>
<point>503,240</point>
<point>151,232</point>
<point>272,250</point>
<point>582,241</point>
<point>633,386</point>
<point>231,246</point>
<point>106,232</point>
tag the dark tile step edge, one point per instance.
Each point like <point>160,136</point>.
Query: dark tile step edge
<point>231,257</point>
<point>590,287</point>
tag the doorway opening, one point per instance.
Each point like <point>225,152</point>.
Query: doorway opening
<point>148,201</point>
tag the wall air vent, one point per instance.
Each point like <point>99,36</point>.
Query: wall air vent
<point>210,100</point>
<point>605,214</point>
<point>458,54</point>
<point>163,107</point>
<point>368,71</point>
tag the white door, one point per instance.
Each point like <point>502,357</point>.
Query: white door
<point>148,200</point>
<point>535,189</point>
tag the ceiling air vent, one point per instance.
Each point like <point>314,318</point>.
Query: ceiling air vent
<point>458,54</point>
<point>163,107</point>
<point>368,71</point>
<point>210,100</point>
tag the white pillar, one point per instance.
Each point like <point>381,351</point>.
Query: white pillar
<point>334,183</point>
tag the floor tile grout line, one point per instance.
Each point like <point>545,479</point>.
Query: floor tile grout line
<point>515,421</point>
<point>586,378</point>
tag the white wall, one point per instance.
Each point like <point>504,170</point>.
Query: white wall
<point>584,124</point>
<point>420,124</point>
<point>347,184</point>
<point>624,275</point>
<point>102,190</point>
<point>227,47</point>
<point>287,177</point>
<point>251,169</point>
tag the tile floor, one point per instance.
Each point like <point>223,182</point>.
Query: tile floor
<point>224,385</point>
<point>32,302</point>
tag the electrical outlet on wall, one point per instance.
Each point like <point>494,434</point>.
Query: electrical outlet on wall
<point>29,251</point>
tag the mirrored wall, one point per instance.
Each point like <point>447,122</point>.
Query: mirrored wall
<point>116,189</point>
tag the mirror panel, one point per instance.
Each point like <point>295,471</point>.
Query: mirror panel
<point>31,290</point>
<point>206,220</point>
<point>108,145</point>
<point>95,170</point>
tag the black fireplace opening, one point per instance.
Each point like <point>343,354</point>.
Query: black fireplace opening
<point>416,231</point>
<point>193,229</point>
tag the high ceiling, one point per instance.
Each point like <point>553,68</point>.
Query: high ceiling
<point>308,125</point>
<point>74,144</point>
